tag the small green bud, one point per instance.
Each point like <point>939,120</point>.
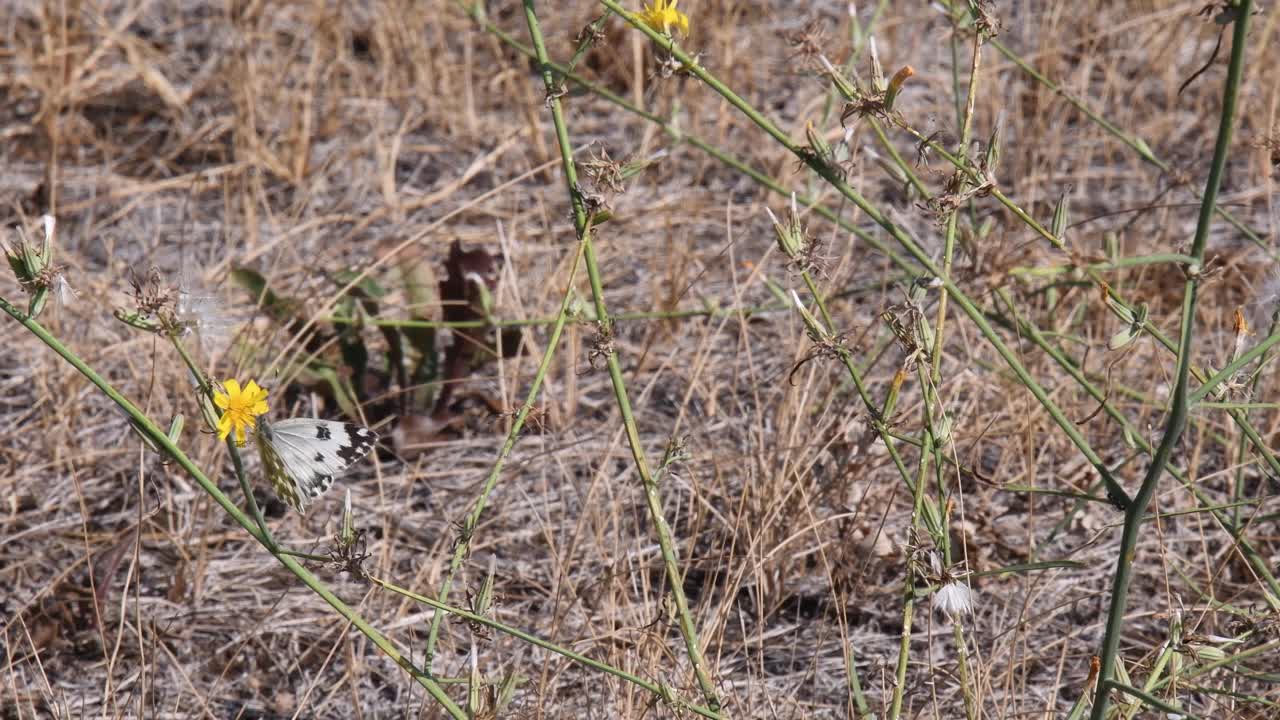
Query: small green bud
<point>175,428</point>
<point>815,328</point>
<point>1059,225</point>
<point>877,73</point>
<point>942,432</point>
<point>347,533</point>
<point>791,234</point>
<point>842,85</point>
<point>991,159</point>
<point>483,600</point>
<point>38,300</point>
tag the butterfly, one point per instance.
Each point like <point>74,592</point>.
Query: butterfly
<point>302,456</point>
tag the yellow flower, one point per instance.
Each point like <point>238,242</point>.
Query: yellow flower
<point>239,408</point>
<point>662,16</point>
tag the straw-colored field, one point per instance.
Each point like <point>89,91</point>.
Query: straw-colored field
<point>873,469</point>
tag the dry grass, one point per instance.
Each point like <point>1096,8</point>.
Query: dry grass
<point>302,139</point>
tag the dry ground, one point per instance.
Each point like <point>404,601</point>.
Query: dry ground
<point>302,139</point>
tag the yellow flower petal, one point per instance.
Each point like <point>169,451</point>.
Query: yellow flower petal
<point>240,407</point>
<point>662,16</point>
<point>253,391</point>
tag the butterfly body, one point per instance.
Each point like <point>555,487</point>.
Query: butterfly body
<point>302,456</point>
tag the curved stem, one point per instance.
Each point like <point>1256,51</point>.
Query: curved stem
<point>161,440</point>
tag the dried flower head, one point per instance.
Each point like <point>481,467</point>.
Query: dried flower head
<point>954,598</point>
<point>154,298</point>
<point>601,345</point>
<point>808,42</point>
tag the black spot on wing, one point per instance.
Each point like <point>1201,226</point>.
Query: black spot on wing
<point>319,457</point>
<point>322,432</point>
<point>356,444</point>
<point>319,484</point>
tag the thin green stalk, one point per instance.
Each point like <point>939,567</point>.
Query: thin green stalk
<point>665,542</point>
<point>1178,407</point>
<point>161,439</point>
<point>463,547</point>
<point>908,592</point>
<point>1152,701</point>
<point>1109,266</point>
<point>927,449</point>
<point>939,334</point>
<point>904,645</point>
<point>237,463</point>
<point>667,694</point>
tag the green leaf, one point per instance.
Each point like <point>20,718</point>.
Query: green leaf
<point>342,394</point>
<point>366,286</point>
<point>1032,567</point>
<point>279,308</point>
<point>423,291</point>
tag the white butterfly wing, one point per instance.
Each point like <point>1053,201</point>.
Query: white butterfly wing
<point>302,456</point>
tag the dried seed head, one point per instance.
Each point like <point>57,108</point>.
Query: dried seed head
<point>955,599</point>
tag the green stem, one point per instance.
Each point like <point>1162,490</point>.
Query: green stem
<point>237,463</point>
<point>665,542</point>
<point>662,691</point>
<point>939,333</point>
<point>161,439</point>
<point>1234,366</point>
<point>1118,264</point>
<point>1178,410</point>
<point>463,547</point>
